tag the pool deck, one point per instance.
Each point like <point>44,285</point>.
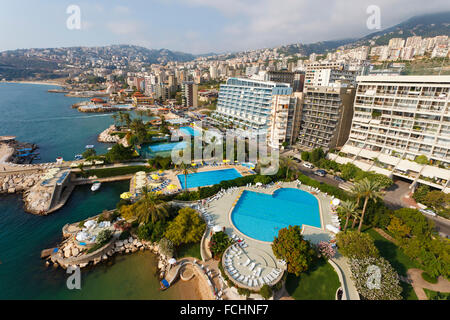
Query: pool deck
<point>260,252</point>
<point>173,174</point>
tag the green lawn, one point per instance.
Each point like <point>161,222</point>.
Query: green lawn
<point>408,292</point>
<point>399,261</point>
<point>433,295</point>
<point>189,250</point>
<point>320,283</point>
<point>388,250</point>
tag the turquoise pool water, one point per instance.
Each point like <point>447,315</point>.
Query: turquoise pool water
<point>260,216</point>
<point>191,131</point>
<point>167,146</point>
<point>207,178</point>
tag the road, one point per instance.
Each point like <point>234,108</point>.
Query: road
<point>393,197</point>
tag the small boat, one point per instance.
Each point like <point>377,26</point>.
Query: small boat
<point>89,146</point>
<point>78,157</point>
<point>96,186</point>
<point>164,284</point>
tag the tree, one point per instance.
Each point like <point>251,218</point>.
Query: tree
<point>375,279</point>
<point>305,156</point>
<point>421,192</point>
<point>437,200</point>
<point>368,189</point>
<point>150,207</point>
<point>398,228</point>
<point>291,247</point>
<point>347,208</point>
<point>185,169</point>
<point>187,227</point>
<point>356,245</point>
<point>219,242</point>
<point>349,171</point>
<point>325,249</point>
<point>266,291</point>
<point>166,247</point>
<point>119,153</point>
<point>316,155</point>
<point>89,153</point>
<point>288,163</point>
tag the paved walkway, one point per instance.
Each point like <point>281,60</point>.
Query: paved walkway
<point>418,283</point>
<point>261,252</point>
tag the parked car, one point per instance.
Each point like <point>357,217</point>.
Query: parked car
<point>428,212</point>
<point>320,173</point>
<point>308,165</point>
<point>339,179</point>
<point>297,160</point>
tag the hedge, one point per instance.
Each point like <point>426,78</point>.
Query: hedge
<point>119,171</point>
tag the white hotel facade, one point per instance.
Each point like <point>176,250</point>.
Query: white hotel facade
<point>397,119</point>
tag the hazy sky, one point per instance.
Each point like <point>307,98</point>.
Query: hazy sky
<point>197,26</point>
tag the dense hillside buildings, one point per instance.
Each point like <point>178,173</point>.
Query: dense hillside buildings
<point>401,127</point>
<point>326,116</point>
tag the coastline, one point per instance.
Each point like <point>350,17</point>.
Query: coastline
<point>43,82</point>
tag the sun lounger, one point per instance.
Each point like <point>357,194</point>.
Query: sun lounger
<point>258,271</point>
<point>241,278</point>
<point>251,266</point>
<point>245,280</point>
<point>266,280</point>
<point>246,262</point>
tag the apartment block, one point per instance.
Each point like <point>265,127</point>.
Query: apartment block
<point>189,97</point>
<point>401,127</point>
<point>284,121</point>
<point>326,116</point>
<point>313,67</point>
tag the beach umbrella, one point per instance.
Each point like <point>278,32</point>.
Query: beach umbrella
<point>217,228</point>
<point>258,184</point>
<point>160,171</point>
<point>336,202</point>
<point>225,161</point>
<point>193,164</point>
<point>155,176</point>
<point>125,195</point>
<point>172,187</point>
<point>172,261</point>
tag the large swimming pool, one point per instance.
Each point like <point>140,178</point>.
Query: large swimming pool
<point>167,146</point>
<point>207,178</point>
<point>190,131</point>
<point>260,216</point>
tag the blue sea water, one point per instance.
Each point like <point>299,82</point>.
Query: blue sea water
<point>207,178</point>
<point>34,115</point>
<point>261,216</point>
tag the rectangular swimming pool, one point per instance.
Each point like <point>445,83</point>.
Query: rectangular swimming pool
<point>207,178</point>
<point>167,146</point>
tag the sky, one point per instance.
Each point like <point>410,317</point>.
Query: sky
<point>197,26</point>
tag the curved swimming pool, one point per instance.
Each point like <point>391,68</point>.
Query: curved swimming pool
<point>260,216</point>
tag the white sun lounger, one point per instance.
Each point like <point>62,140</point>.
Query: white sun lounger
<point>251,266</point>
<point>266,280</point>
<point>241,278</point>
<point>258,271</point>
<point>246,262</point>
<point>245,280</point>
<point>261,281</point>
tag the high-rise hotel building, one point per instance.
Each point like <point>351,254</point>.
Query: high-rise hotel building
<point>326,116</point>
<point>401,127</point>
<point>260,105</point>
<point>247,103</point>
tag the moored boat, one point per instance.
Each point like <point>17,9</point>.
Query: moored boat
<point>96,186</point>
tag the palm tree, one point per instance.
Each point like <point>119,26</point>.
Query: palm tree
<point>185,169</point>
<point>140,113</point>
<point>289,164</point>
<point>367,189</point>
<point>151,207</point>
<point>348,208</point>
<point>115,117</point>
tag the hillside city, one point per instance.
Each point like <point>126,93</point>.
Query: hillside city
<point>362,129</point>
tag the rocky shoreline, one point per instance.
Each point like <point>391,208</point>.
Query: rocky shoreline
<point>106,136</point>
<point>69,253</point>
<point>18,182</point>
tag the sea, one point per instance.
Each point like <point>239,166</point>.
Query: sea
<point>32,114</point>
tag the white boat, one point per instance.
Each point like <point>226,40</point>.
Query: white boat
<point>89,146</point>
<point>96,186</point>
